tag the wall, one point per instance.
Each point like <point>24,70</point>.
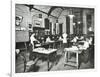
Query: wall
<point>62,19</point>
<point>85,26</point>
<point>29,17</point>
<point>53,20</point>
<point>35,16</point>
<point>23,11</point>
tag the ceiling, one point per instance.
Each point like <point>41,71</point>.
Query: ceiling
<point>54,11</point>
<point>49,10</point>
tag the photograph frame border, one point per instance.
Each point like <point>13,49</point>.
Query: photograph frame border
<point>13,46</point>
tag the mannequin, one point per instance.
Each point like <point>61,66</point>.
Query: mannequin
<point>64,40</point>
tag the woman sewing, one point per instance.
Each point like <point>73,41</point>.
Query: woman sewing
<point>32,46</point>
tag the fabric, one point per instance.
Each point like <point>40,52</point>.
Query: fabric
<point>86,45</point>
<point>60,38</point>
<point>90,41</point>
<point>48,39</point>
<point>75,39</point>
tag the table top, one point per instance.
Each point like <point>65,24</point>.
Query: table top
<point>46,43</point>
<point>73,49</point>
<point>44,51</point>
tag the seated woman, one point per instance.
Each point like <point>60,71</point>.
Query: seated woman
<point>85,44</point>
<point>84,56</point>
<point>74,40</point>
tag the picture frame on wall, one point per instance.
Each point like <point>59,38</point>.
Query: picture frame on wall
<point>37,23</point>
<point>18,20</point>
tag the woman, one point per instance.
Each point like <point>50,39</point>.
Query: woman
<point>32,40</point>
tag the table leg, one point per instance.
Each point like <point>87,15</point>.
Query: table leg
<point>77,60</point>
<point>48,64</point>
<point>53,45</point>
<point>55,56</point>
<point>66,57</point>
<point>60,44</point>
<point>25,46</point>
<point>69,55</point>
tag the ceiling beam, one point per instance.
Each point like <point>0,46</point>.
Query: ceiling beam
<point>60,13</point>
<point>53,8</point>
<point>44,12</point>
<point>32,7</point>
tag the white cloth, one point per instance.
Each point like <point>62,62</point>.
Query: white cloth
<point>82,38</point>
<point>48,39</point>
<point>44,51</point>
<point>64,38</point>
<point>76,37</point>
<point>90,40</point>
<point>85,46</point>
<point>17,51</point>
<point>60,38</point>
<point>32,38</point>
<point>74,40</point>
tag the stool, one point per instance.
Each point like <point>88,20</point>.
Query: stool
<point>29,64</point>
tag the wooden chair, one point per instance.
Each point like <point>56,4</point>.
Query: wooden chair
<point>27,63</point>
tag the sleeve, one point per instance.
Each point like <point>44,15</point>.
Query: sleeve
<point>31,40</point>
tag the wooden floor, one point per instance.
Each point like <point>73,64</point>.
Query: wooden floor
<point>41,65</point>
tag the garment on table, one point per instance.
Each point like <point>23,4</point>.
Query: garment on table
<point>75,39</point>
<point>86,44</point>
<point>90,41</point>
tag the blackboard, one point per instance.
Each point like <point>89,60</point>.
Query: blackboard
<point>21,36</point>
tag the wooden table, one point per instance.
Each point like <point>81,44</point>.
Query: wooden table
<point>50,44</point>
<point>75,50</point>
<point>39,52</point>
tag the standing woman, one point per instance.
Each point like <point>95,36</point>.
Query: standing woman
<point>32,40</point>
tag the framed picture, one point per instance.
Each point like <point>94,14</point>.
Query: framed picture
<point>37,23</point>
<point>18,20</point>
